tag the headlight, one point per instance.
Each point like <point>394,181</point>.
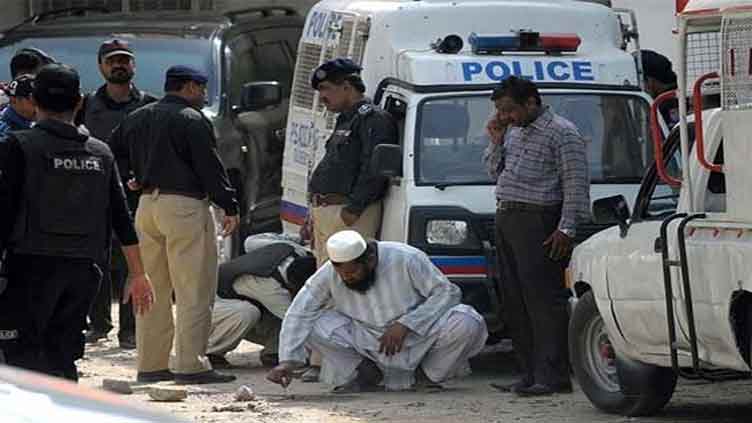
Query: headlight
<point>446,232</point>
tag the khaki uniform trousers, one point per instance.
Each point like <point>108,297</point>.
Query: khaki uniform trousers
<point>179,251</point>
<point>327,222</point>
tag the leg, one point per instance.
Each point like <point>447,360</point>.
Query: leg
<point>267,291</point>
<point>340,360</point>
<point>231,321</point>
<point>327,222</point>
<point>126,319</point>
<point>266,333</point>
<point>462,336</point>
<point>155,329</point>
<point>192,259</point>
<point>100,314</point>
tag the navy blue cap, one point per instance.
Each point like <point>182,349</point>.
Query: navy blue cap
<point>333,69</point>
<point>186,72</point>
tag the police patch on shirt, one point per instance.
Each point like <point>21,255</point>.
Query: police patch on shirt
<point>76,164</point>
<point>365,109</point>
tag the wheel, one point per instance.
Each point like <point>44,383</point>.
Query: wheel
<point>613,383</point>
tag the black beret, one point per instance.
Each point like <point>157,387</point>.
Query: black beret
<point>187,72</point>
<point>333,69</point>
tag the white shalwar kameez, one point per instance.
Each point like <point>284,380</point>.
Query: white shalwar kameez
<point>407,289</point>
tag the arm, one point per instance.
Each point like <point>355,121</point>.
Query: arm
<point>377,128</point>
<point>209,167</point>
<point>12,170</point>
<point>440,294</point>
<point>572,160</point>
<point>302,314</point>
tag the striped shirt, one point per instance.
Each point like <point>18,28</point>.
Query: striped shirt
<point>407,289</point>
<point>544,163</point>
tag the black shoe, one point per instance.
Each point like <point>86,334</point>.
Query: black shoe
<point>219,361</point>
<point>512,387</point>
<point>539,389</point>
<point>92,336</point>
<point>209,376</point>
<point>127,342</point>
<point>155,376</point>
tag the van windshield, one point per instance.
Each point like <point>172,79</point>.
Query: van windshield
<point>154,54</point>
<point>451,137</point>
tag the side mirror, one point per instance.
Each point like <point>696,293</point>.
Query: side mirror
<point>611,210</point>
<point>387,160</point>
<point>256,96</point>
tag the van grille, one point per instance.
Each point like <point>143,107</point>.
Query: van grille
<point>308,60</point>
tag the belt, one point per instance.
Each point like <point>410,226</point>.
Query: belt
<point>195,195</point>
<point>520,206</point>
<point>323,200</point>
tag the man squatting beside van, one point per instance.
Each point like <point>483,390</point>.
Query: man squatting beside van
<point>344,193</point>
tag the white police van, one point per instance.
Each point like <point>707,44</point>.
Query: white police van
<point>433,64</point>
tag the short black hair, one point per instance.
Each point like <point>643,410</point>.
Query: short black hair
<point>175,84</point>
<point>24,62</point>
<point>299,270</point>
<point>57,88</point>
<point>518,89</point>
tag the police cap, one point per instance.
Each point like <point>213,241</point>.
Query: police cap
<point>22,86</point>
<point>187,73</point>
<point>57,88</point>
<point>657,66</point>
<point>333,69</point>
<point>114,48</point>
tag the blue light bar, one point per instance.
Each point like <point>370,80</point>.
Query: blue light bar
<point>485,44</point>
<point>554,43</point>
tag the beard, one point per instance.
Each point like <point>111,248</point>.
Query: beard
<point>362,286</point>
<point>120,76</point>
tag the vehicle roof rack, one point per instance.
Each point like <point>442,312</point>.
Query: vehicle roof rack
<point>52,14</point>
<point>264,11</point>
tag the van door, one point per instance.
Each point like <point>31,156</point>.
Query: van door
<point>265,55</point>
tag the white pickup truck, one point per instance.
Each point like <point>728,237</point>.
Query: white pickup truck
<point>668,291</point>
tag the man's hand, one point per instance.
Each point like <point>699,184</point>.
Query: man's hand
<point>393,338</point>
<point>281,374</point>
<point>348,218</point>
<point>559,245</point>
<point>229,223</point>
<point>140,292</point>
<point>495,130</point>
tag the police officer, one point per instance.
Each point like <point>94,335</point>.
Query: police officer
<point>24,61</point>
<point>102,111</point>
<point>21,110</point>
<point>659,77</point>
<point>171,150</point>
<point>344,191</point>
<point>65,197</point>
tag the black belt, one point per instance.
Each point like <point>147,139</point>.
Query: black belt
<point>520,206</point>
<point>323,200</point>
<point>195,195</point>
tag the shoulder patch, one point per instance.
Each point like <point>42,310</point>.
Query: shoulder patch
<point>365,109</point>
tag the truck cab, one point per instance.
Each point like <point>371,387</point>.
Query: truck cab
<point>433,64</point>
<point>667,292</point>
<point>243,52</point>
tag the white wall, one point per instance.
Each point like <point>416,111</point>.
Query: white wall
<point>656,22</point>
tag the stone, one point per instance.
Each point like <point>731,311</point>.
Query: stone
<point>244,393</point>
<point>167,395</point>
<point>117,386</point>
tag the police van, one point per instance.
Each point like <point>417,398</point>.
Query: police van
<point>433,64</point>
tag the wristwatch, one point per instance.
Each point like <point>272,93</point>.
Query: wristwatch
<point>567,232</point>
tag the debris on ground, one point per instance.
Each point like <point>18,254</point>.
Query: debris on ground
<point>167,394</point>
<point>117,386</point>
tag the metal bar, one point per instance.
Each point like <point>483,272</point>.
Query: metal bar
<point>688,290</point>
<point>669,291</point>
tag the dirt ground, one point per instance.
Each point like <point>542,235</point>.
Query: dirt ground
<point>468,400</point>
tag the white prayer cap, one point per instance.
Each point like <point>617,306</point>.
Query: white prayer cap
<point>345,246</point>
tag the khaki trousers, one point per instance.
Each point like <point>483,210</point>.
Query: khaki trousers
<point>326,222</point>
<point>179,251</point>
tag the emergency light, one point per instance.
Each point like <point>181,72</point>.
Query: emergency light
<point>524,41</point>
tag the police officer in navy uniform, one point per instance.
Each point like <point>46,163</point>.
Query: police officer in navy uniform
<point>65,197</point>
<point>102,111</point>
<point>344,192</point>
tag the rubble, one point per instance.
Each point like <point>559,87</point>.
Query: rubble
<point>167,395</point>
<point>117,386</point>
<point>244,393</point>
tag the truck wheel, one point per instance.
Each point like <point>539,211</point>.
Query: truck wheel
<point>613,383</point>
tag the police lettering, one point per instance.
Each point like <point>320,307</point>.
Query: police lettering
<point>77,163</point>
<point>555,71</point>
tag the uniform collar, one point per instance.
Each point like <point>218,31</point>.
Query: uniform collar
<point>135,96</point>
<point>61,129</point>
<point>15,118</point>
<point>171,98</point>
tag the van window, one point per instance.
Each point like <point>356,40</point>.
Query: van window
<point>451,136</point>
<point>249,61</point>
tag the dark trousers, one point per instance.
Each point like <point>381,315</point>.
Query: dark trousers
<point>47,299</point>
<point>100,315</point>
<point>532,287</point>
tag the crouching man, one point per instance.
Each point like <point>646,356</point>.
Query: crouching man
<point>393,318</point>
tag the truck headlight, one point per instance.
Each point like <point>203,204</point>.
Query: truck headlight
<point>446,232</point>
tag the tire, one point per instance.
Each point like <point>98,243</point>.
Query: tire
<point>613,383</point>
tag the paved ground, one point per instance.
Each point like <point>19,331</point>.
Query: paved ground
<point>469,400</point>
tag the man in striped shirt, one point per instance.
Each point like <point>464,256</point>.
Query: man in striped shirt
<point>394,318</point>
<point>542,191</point>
